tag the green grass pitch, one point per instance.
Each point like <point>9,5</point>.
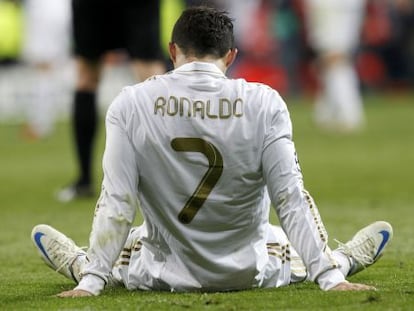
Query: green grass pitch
<point>354,179</point>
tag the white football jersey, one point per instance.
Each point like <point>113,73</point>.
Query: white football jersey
<point>334,25</point>
<point>198,152</point>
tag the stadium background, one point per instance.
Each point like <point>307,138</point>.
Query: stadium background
<point>270,36</point>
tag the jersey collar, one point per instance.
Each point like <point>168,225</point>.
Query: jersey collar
<point>200,67</point>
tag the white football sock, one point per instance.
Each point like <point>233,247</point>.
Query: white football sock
<point>342,93</point>
<point>343,261</point>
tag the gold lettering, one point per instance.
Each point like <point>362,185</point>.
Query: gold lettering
<point>172,107</point>
<point>160,105</point>
<point>185,105</point>
<point>199,106</point>
<point>238,108</point>
<point>209,114</point>
<point>224,108</point>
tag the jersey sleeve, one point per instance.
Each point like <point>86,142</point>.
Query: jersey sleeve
<point>297,212</point>
<point>116,207</point>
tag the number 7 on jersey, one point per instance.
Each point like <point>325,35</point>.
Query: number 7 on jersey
<point>209,179</point>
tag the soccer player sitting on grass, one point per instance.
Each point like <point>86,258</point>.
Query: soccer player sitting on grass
<point>203,157</point>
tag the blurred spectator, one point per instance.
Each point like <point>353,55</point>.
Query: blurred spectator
<point>47,54</point>
<point>268,35</point>
<point>286,29</point>
<point>257,43</point>
<point>376,35</point>
<point>387,47</point>
<point>333,31</point>
<point>398,52</point>
<point>99,27</point>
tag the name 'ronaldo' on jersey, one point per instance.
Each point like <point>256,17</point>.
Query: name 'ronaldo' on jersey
<point>186,107</point>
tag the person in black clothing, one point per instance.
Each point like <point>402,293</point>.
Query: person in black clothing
<point>99,27</point>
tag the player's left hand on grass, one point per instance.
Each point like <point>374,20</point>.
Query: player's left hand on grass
<point>347,286</point>
<point>74,293</point>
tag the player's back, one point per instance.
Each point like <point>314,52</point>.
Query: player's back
<point>199,138</point>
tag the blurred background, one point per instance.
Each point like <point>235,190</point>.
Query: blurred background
<point>272,37</point>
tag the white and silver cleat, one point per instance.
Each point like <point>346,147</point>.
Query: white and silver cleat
<point>367,245</point>
<point>59,252</point>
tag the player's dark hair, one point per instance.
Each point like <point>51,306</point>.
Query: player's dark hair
<point>202,31</point>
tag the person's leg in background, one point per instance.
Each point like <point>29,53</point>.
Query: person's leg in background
<point>98,29</point>
<point>46,57</point>
<point>85,119</point>
<point>91,41</point>
<point>340,105</point>
<point>143,38</point>
<point>333,28</point>
<point>84,122</point>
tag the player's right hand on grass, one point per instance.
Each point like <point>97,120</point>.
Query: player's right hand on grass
<point>347,286</point>
<point>74,293</point>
